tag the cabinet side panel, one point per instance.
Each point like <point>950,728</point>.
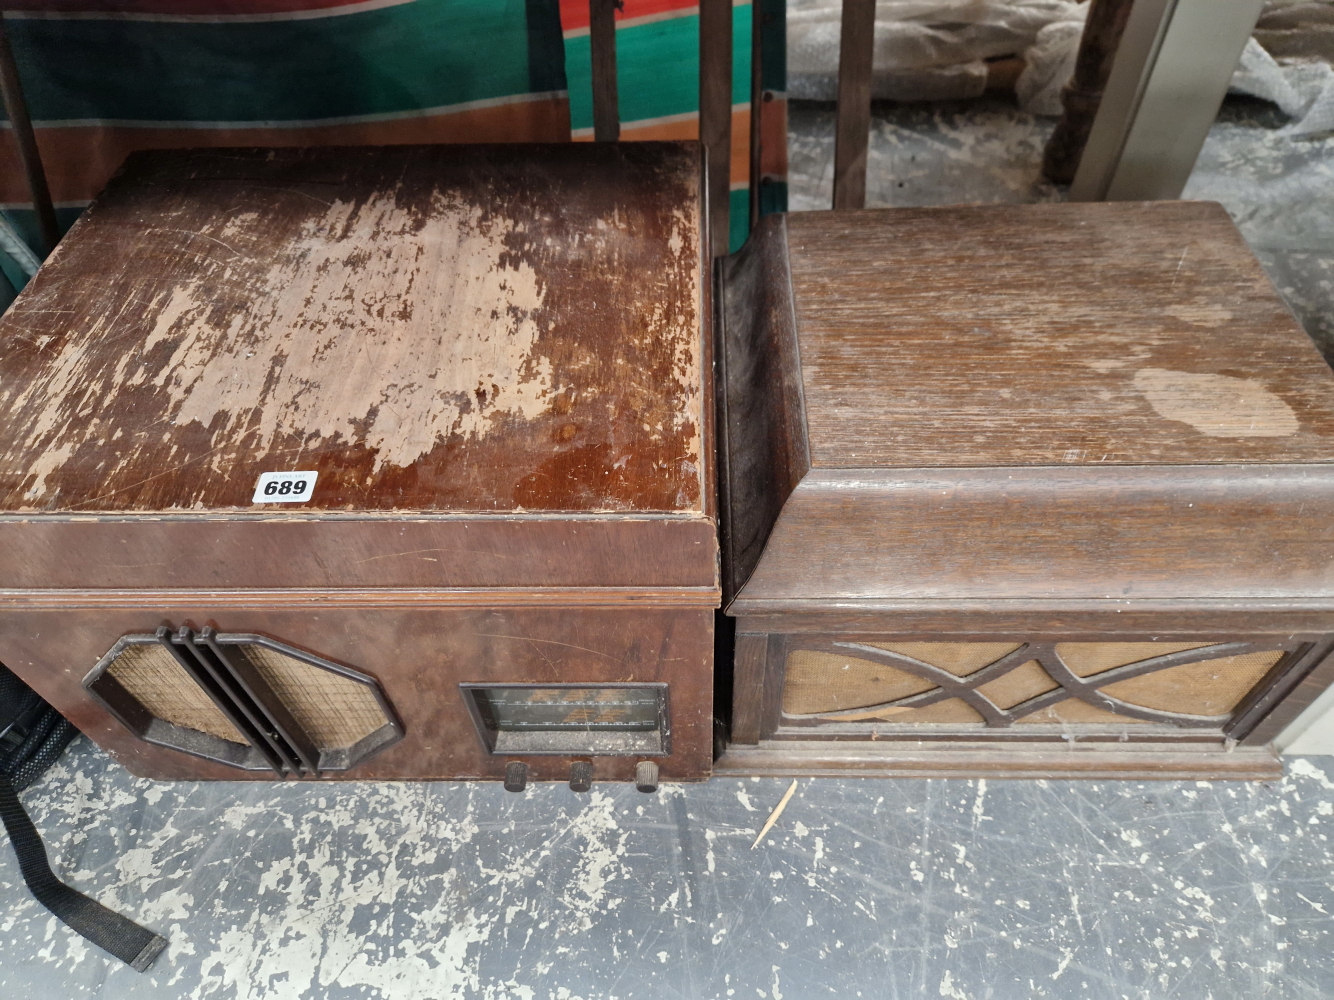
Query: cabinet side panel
<point>764,432</point>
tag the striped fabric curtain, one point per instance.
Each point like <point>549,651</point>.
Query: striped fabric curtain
<point>105,77</point>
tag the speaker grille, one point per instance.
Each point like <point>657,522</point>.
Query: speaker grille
<point>1003,683</point>
<point>244,700</point>
<point>335,710</point>
<point>161,685</point>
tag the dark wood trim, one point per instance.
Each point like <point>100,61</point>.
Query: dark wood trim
<point>354,597</point>
<point>1268,712</point>
<point>775,676</point>
<point>1071,685</point>
<point>715,115</point>
<point>1165,619</point>
<point>1169,762</point>
<point>756,105</point>
<point>852,130</point>
<point>748,685</point>
<point>1030,736</point>
<point>29,155</point>
<point>220,554</point>
<point>602,45</point>
<point>763,432</point>
<point>1082,94</point>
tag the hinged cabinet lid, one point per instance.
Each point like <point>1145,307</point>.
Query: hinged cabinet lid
<point>410,332</point>
<point>1020,403</point>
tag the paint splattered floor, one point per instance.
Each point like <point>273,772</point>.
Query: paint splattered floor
<point>875,888</point>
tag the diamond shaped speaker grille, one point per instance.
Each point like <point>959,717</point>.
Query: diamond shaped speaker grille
<point>244,700</point>
<point>1003,684</point>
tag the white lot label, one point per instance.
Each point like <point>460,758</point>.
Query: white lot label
<point>284,487</point>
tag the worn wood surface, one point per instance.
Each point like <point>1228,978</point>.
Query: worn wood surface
<point>436,328</point>
<point>1047,335</point>
<point>852,129</point>
<point>419,656</point>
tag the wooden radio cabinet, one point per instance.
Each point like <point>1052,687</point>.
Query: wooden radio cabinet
<point>1040,490</point>
<point>371,462</point>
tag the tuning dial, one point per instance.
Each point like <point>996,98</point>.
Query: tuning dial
<point>646,776</point>
<point>581,775</point>
<point>516,776</point>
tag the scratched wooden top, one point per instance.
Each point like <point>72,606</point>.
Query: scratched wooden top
<point>1044,335</point>
<point>433,328</point>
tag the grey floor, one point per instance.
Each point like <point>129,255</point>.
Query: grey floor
<point>874,888</point>
<point>959,889</point>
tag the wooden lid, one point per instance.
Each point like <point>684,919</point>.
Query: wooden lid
<point>1048,335</point>
<point>430,329</point>
<point>1020,407</point>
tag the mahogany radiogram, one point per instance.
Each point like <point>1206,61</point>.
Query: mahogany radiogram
<point>371,462</point>
<point>1021,490</point>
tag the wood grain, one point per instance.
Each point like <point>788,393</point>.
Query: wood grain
<point>472,328</point>
<point>1042,424</point>
<point>1045,335</point>
<point>1129,533</point>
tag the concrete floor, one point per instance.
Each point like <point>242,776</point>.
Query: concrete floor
<point>876,888</point>
<point>890,889</point>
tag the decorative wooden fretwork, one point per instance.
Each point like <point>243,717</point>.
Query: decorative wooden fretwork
<point>999,684</point>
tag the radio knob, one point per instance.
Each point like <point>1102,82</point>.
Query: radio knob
<point>516,776</point>
<point>646,776</point>
<point>581,775</point>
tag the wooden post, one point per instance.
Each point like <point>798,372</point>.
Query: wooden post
<point>602,42</point>
<point>1081,96</point>
<point>715,114</point>
<point>852,132</point>
<point>756,107</point>
<point>17,109</point>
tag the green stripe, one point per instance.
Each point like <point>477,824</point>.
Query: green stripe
<point>419,55</point>
<point>657,69</point>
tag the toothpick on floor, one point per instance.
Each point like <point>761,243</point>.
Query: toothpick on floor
<point>773,816</point>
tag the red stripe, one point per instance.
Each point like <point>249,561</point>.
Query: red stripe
<point>574,13</point>
<point>186,7</point>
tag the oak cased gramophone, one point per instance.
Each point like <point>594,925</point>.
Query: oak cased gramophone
<point>370,462</point>
<point>1041,490</point>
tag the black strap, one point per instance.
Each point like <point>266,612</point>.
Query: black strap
<point>136,946</point>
